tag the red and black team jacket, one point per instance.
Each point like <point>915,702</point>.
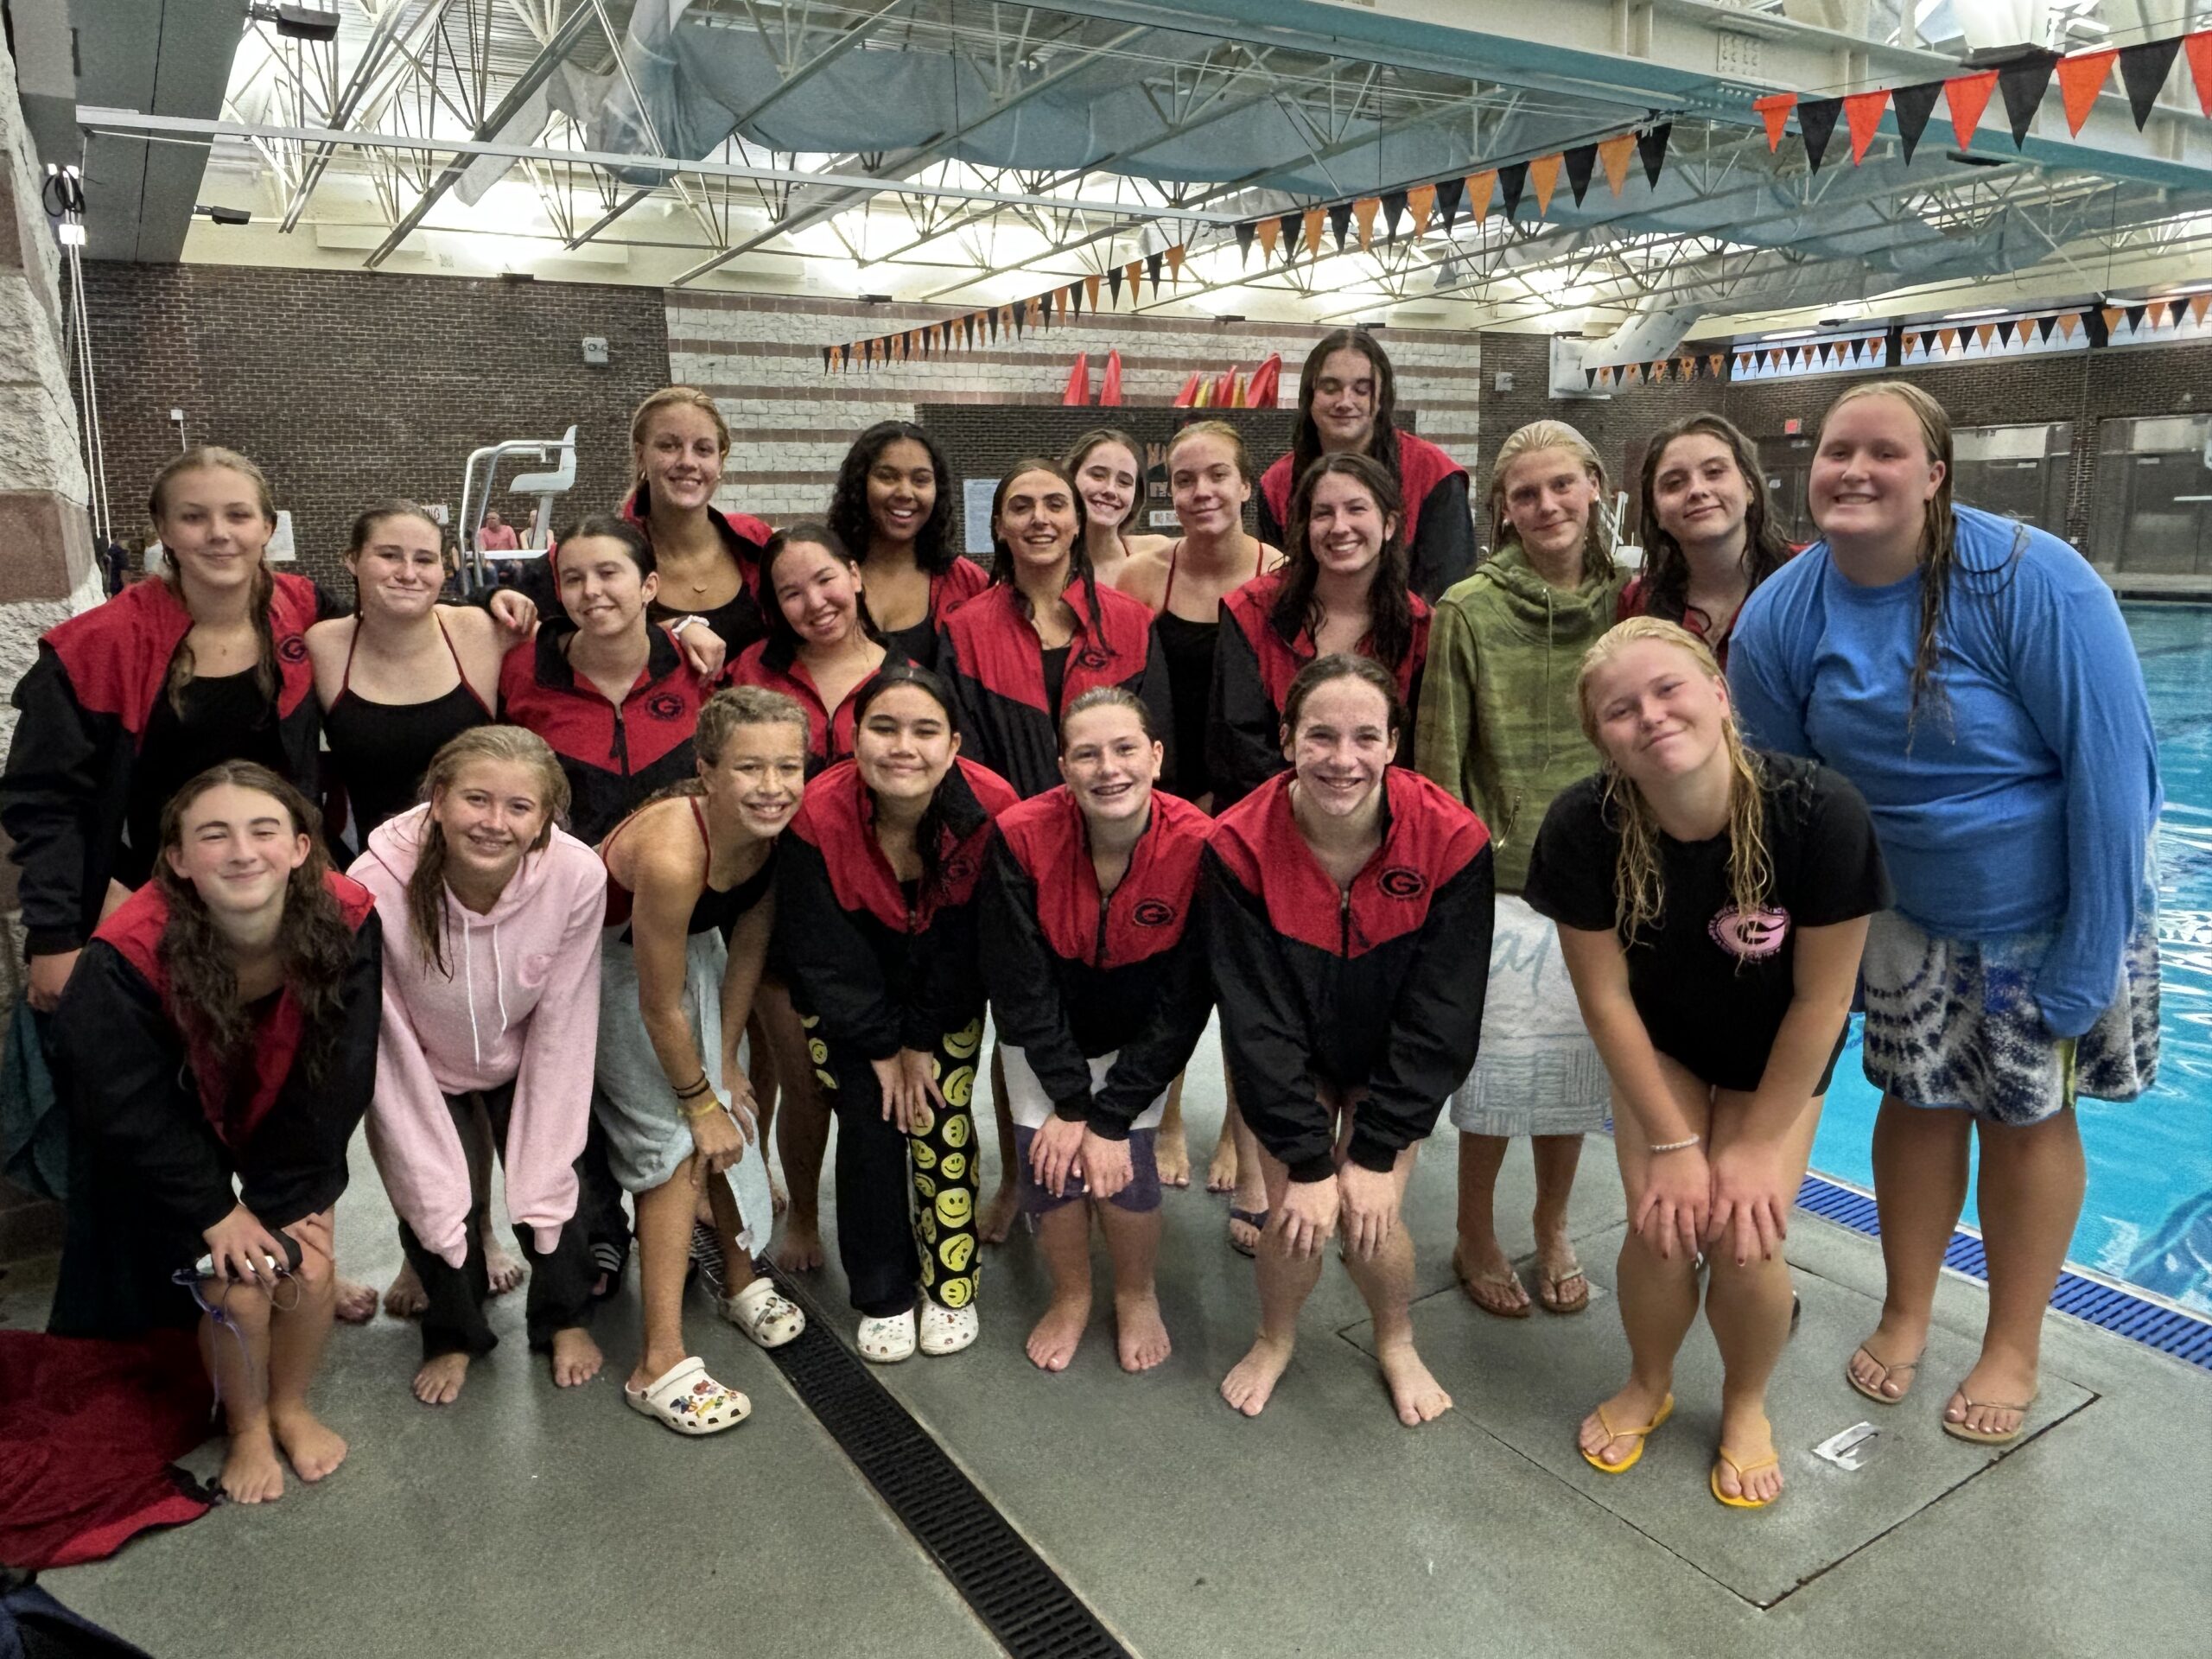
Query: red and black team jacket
<point>829,732</point>
<point>84,705</point>
<point>1072,976</point>
<point>738,622</point>
<point>163,1134</point>
<point>1439,531</point>
<point>1377,987</point>
<point>614,756</point>
<point>882,972</point>
<point>1253,667</point>
<point>989,654</point>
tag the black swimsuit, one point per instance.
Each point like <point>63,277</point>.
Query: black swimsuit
<point>714,908</point>
<point>224,717</point>
<point>382,749</point>
<point>1188,647</point>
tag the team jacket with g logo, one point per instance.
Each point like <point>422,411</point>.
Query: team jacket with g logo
<point>615,755</point>
<point>1378,986</point>
<point>884,970</point>
<point>989,654</point>
<point>1074,975</point>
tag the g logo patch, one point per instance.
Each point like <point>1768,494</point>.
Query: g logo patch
<point>665,705</point>
<point>1399,881</point>
<point>292,648</point>
<point>1153,913</point>
<point>1093,658</point>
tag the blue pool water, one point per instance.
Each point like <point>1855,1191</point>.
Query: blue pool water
<point>2148,1217</point>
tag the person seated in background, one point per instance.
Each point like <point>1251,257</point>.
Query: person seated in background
<point>495,535</point>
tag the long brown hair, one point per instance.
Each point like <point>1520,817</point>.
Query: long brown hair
<point>1305,437</point>
<point>1666,567</point>
<point>313,939</point>
<point>1389,601</point>
<point>1597,557</point>
<point>1079,571</point>
<point>1639,885</point>
<point>426,887</point>
<point>205,458</point>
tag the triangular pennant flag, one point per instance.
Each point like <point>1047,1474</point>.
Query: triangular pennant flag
<point>1422,200</point>
<point>2198,305</point>
<point>1914,105</point>
<point>2111,316</point>
<point>1449,193</point>
<point>2081,77</point>
<point>1071,302</point>
<point>1857,350</point>
<point>1133,273</point>
<point>1244,235</point>
<point>1290,231</point>
<point>1340,223</point>
<point>2156,313</point>
<point>2023,85</point>
<point>1152,262</point>
<point>2068,321</point>
<point>1077,393</point>
<point>1774,110</point>
<point>1311,226</point>
<point>829,359</point>
<point>2095,328</point>
<point>2142,71</point>
<point>1270,231</point>
<point>1816,118</point>
<point>1512,182</point>
<point>1109,388</point>
<point>2199,48</point>
<point>1967,96</point>
<point>1010,319</point>
<point>2004,332</point>
<point>1715,363</point>
<point>1949,337</point>
<point>1039,314</point>
<point>1543,173</point>
<point>1363,213</point>
<point>1175,264</point>
<point>1394,209</point>
<point>2135,313</point>
<point>1480,187</point>
<point>2043,326</point>
<point>1582,162</point>
<point>1742,363</point>
<point>1862,112</point>
<point>1091,290</point>
<point>1984,334</point>
<point>1114,280</point>
<point>1589,377</point>
<point>1614,153</point>
<point>1651,148</point>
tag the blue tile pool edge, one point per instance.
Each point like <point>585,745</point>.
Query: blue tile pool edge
<point>2120,1309</point>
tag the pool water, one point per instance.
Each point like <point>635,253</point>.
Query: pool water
<point>2148,1216</point>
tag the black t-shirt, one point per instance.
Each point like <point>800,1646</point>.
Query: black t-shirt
<point>1712,988</point>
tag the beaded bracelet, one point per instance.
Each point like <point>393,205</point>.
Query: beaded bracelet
<point>1675,1145</point>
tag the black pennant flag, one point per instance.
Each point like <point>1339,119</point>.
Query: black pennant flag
<point>1340,222</point>
<point>1071,308</point>
<point>991,317</point>
<point>1928,338</point>
<point>2043,326</point>
<point>2005,327</point>
<point>2142,71</point>
<point>2135,314</point>
<point>1589,377</point>
<point>1816,118</point>
<point>1857,350</point>
<point>825,359</point>
<point>2093,324</point>
<point>1914,105</point>
<point>1152,263</point>
<point>1449,193</point>
<point>1051,299</point>
<point>1394,209</point>
<point>1512,181</point>
<point>1292,230</point>
<point>1791,354</point>
<point>1114,283</point>
<point>1581,161</point>
<point>1651,148</point>
<point>1245,232</point>
<point>2023,85</point>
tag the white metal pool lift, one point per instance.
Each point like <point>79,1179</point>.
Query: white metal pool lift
<point>475,502</point>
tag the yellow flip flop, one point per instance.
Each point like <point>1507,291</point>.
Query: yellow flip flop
<point>1640,1435</point>
<point>1742,1469</point>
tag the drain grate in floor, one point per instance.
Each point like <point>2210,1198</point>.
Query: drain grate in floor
<point>1022,1601</point>
<point>2111,1307</point>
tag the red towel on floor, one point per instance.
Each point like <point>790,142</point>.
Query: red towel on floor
<point>88,1431</point>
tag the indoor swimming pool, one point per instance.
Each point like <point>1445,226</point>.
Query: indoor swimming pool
<point>2148,1216</point>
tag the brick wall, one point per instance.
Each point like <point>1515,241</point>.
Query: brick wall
<point>348,386</point>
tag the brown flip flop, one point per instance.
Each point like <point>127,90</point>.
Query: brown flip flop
<point>1494,1281</point>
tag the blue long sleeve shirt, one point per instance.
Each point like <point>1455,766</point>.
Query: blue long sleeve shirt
<point>2029,804</point>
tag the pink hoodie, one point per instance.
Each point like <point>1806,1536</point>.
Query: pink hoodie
<point>536,953</point>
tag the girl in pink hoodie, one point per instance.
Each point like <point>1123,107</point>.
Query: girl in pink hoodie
<point>492,916</point>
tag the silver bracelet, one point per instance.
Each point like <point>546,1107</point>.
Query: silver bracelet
<point>1676,1146</point>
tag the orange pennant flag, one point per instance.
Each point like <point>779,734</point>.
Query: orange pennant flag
<point>1864,112</point>
<point>1421,199</point>
<point>1133,274</point>
<point>2068,321</point>
<point>2198,306</point>
<point>2113,317</point>
<point>1616,153</point>
<point>1270,233</point>
<point>1091,290</point>
<point>1311,232</point>
<point>1713,365</point>
<point>1543,178</point>
<point>1986,332</point>
<point>1175,264</point>
<point>2199,48</point>
<point>2081,77</point>
<point>1774,110</point>
<point>1948,338</point>
<point>2155,313</point>
<point>1481,187</point>
<point>1363,213</point>
<point>1967,96</point>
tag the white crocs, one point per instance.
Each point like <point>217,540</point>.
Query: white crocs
<point>885,1342</point>
<point>770,1319</point>
<point>688,1401</point>
<point>948,1330</point>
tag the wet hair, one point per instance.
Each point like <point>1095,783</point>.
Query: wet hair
<point>1106,696</point>
<point>1228,435</point>
<point>929,833</point>
<point>1389,600</point>
<point>783,643</point>
<point>1666,591</point>
<point>1639,885</point>
<point>678,397</point>
<point>313,940</point>
<point>743,705</point>
<point>1079,451</point>
<point>1305,435</point>
<point>1938,537</point>
<point>426,887</point>
<point>1079,571</point>
<point>208,457</point>
<point>935,551</point>
<point>1343,665</point>
<point>614,527</point>
<point>364,526</point>
<point>1597,556</point>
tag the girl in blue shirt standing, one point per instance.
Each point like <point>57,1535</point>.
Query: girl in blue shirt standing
<point>1972,676</point>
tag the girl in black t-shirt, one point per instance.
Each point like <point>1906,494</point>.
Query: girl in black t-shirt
<point>1711,903</point>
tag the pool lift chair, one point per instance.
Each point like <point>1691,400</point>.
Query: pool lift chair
<point>476,501</point>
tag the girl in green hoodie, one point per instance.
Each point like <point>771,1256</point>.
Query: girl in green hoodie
<point>1499,728</point>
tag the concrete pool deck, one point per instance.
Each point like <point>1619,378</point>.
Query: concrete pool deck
<point>524,1521</point>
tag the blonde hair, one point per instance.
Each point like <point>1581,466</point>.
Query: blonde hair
<point>678,397</point>
<point>1597,559</point>
<point>1228,433</point>
<point>426,898</point>
<point>212,457</point>
<point>1639,888</point>
<point>744,705</point>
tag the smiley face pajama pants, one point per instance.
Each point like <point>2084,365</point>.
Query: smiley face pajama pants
<point>905,1200</point>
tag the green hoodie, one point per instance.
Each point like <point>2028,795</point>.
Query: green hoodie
<point>1499,723</point>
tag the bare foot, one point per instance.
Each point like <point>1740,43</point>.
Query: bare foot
<point>1221,1173</point>
<point>1632,1407</point>
<point>1174,1156</point>
<point>1491,1282</point>
<point>313,1448</point>
<point>2001,1388</point>
<point>799,1251</point>
<point>1052,1343</point>
<point>1885,1361</point>
<point>438,1384</point>
<point>402,1298</point>
<point>576,1358</point>
<point>501,1267</point>
<point>251,1473</point>
<point>1254,1378</point>
<point>1140,1336</point>
<point>996,1220</point>
<point>356,1303</point>
<point>1418,1396</point>
<point>1750,1440</point>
